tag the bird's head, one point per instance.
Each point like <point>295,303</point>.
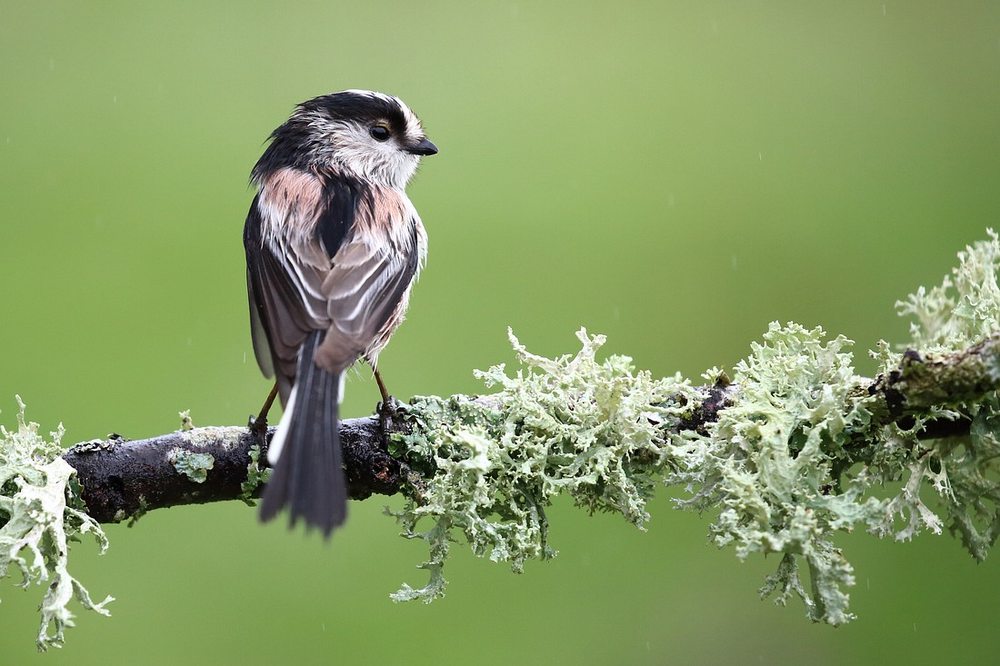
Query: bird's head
<point>367,134</point>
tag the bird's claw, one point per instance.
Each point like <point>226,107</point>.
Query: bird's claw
<point>388,412</point>
<point>258,426</point>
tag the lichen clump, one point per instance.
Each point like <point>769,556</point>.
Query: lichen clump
<point>805,450</point>
<point>257,475</point>
<point>573,425</point>
<point>194,466</point>
<point>40,514</point>
<point>964,309</point>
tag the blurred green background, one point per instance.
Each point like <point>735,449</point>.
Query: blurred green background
<point>675,175</point>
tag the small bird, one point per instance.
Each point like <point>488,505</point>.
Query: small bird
<point>333,246</point>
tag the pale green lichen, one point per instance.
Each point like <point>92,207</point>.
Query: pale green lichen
<point>222,437</point>
<point>40,514</point>
<point>802,453</point>
<point>140,511</point>
<point>573,425</point>
<point>194,466</point>
<point>256,476</point>
<point>964,308</point>
<point>769,460</point>
<point>963,472</point>
<point>186,422</point>
<point>775,462</point>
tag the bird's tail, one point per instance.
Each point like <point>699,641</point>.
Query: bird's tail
<point>305,457</point>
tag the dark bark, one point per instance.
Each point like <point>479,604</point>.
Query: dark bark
<point>123,479</point>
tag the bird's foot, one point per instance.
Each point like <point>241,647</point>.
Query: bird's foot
<point>258,427</point>
<point>388,418</point>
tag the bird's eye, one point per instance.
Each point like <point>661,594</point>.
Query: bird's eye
<point>379,133</point>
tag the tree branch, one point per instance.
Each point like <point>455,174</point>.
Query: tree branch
<point>122,479</point>
<point>797,450</point>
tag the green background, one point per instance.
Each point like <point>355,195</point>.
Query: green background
<point>673,175</point>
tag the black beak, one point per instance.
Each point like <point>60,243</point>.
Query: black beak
<point>425,147</point>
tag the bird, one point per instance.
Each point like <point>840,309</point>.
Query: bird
<point>333,247</point>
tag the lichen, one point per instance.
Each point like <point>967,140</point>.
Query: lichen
<point>194,466</point>
<point>224,437</point>
<point>572,425</point>
<point>803,452</point>
<point>256,476</point>
<point>767,464</point>
<point>139,512</point>
<point>964,473</point>
<point>41,513</point>
<point>775,464</point>
<point>964,308</point>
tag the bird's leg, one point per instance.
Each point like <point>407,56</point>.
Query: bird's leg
<point>386,398</point>
<point>386,408</point>
<point>259,424</point>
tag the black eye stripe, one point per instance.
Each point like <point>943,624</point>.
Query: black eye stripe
<point>360,107</point>
<point>380,133</point>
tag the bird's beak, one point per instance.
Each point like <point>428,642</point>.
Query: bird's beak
<point>425,147</point>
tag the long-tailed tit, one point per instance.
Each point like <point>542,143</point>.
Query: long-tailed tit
<point>333,246</point>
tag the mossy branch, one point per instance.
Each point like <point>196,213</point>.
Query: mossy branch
<point>123,479</point>
<point>795,449</point>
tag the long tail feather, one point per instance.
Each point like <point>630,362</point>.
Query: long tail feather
<point>307,474</point>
